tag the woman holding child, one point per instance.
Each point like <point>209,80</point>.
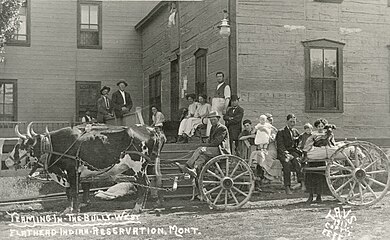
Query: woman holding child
<point>266,154</point>
<point>315,181</point>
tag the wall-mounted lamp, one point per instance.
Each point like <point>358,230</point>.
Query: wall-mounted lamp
<point>224,28</point>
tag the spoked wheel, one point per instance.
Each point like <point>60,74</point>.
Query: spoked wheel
<point>358,173</point>
<point>226,182</point>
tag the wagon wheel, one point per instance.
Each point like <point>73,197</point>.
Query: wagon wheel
<point>358,173</point>
<point>226,182</point>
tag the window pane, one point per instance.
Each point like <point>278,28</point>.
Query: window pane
<point>22,25</point>
<point>8,109</point>
<point>1,94</point>
<point>84,14</point>
<point>93,15</point>
<point>330,62</point>
<point>329,90</point>
<point>89,38</point>
<point>316,64</point>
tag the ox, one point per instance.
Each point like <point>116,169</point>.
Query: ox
<point>87,152</point>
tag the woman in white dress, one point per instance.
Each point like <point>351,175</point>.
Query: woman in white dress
<point>192,107</point>
<point>191,123</point>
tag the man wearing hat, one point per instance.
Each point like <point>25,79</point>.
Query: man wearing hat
<point>233,119</point>
<point>122,102</point>
<point>104,106</point>
<point>218,144</point>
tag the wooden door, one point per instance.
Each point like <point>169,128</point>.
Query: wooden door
<point>154,93</point>
<point>175,91</point>
<point>87,94</point>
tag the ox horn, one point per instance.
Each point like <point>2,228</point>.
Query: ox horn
<point>29,130</point>
<point>18,133</point>
<point>47,131</point>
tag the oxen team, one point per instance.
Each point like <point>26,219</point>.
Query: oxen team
<point>85,153</point>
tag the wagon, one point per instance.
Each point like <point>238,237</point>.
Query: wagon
<point>357,173</point>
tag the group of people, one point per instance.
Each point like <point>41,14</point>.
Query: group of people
<point>285,146</point>
<point>119,104</point>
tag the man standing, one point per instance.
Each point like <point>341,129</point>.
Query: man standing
<point>218,144</point>
<point>233,119</point>
<point>104,107</point>
<point>122,102</point>
<point>220,101</point>
<point>288,152</point>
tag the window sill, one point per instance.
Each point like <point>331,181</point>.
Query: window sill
<point>329,1</point>
<point>18,43</point>
<point>89,47</point>
<point>323,111</point>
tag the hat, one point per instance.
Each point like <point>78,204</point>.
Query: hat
<point>122,81</point>
<point>213,114</point>
<point>234,98</point>
<point>105,88</point>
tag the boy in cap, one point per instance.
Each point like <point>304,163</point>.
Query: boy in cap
<point>122,102</point>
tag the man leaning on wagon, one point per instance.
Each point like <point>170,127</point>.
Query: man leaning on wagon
<point>218,144</point>
<point>288,152</point>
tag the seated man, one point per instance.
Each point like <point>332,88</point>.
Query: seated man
<point>218,144</point>
<point>246,139</point>
<point>288,152</point>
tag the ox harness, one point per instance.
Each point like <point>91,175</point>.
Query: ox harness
<point>47,148</point>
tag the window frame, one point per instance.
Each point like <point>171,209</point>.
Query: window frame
<point>323,44</point>
<point>100,27</point>
<point>200,53</point>
<point>15,97</point>
<point>329,1</point>
<point>27,42</point>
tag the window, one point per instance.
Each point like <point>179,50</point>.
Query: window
<point>324,75</point>
<point>89,24</point>
<point>200,72</point>
<point>21,37</point>
<point>7,100</point>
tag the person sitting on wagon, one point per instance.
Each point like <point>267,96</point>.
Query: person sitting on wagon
<point>218,144</point>
<point>288,152</point>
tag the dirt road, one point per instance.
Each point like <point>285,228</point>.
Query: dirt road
<point>267,216</point>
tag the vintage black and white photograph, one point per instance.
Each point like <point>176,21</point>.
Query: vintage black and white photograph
<point>195,119</point>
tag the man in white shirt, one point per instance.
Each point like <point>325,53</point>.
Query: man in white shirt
<point>122,102</point>
<point>222,95</point>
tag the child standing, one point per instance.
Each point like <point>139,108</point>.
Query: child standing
<point>263,133</point>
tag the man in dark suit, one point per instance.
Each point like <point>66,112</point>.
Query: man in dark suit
<point>233,119</point>
<point>122,102</point>
<point>104,106</point>
<point>288,152</point>
<point>218,144</point>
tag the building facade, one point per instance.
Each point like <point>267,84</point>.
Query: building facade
<point>64,52</point>
<point>314,58</point>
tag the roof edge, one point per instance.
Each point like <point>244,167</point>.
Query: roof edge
<point>141,24</point>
